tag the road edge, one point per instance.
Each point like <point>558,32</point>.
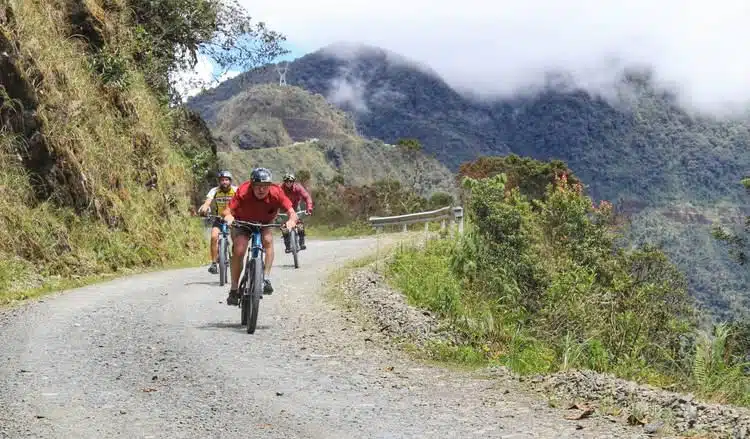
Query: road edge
<point>363,289</point>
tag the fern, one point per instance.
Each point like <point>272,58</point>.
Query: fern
<point>714,371</point>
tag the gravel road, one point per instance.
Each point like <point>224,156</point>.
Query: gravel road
<point>160,355</point>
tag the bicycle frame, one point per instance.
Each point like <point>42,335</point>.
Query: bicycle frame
<point>255,246</point>
<point>223,226</point>
<point>224,229</point>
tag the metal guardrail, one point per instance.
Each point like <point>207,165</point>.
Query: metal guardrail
<point>448,213</point>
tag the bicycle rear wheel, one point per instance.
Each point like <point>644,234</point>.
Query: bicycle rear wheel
<point>294,246</point>
<point>256,291</point>
<point>223,253</point>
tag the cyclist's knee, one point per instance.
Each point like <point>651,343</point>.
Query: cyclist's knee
<point>267,238</point>
<point>215,233</point>
<point>239,245</point>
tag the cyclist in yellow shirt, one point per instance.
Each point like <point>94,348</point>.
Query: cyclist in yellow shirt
<point>220,196</point>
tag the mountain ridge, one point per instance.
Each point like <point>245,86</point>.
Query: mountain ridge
<point>289,129</point>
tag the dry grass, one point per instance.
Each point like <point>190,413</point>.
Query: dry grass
<point>109,156</point>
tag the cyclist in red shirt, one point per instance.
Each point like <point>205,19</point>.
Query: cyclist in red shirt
<point>256,200</point>
<point>296,193</point>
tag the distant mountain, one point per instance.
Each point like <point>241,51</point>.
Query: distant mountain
<point>675,173</point>
<point>268,115</point>
<point>401,101</point>
<point>288,129</point>
<point>647,149</point>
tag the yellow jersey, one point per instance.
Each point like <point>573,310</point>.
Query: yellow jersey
<point>220,198</point>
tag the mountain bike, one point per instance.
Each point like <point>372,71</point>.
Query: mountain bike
<point>293,236</point>
<point>251,282</point>
<point>224,251</point>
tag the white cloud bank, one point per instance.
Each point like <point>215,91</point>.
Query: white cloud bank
<point>497,47</point>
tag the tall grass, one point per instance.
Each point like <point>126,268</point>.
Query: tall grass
<point>107,157</point>
<point>540,285</point>
<point>487,333</point>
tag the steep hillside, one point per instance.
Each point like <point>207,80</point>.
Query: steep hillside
<point>95,172</point>
<point>268,115</point>
<point>356,160</point>
<point>289,129</point>
<point>673,172</point>
<point>398,101</point>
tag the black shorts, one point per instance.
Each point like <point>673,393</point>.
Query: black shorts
<point>243,231</point>
<point>216,223</point>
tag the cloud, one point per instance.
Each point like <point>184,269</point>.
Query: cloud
<point>347,91</point>
<point>496,48</point>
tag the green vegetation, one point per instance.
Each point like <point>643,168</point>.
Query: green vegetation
<point>356,161</point>
<point>96,170</point>
<point>538,283</point>
<point>271,115</point>
<point>165,39</point>
<point>737,237</point>
<point>288,129</point>
<point>344,209</point>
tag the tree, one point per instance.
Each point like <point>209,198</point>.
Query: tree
<point>412,150</point>
<point>440,199</point>
<point>338,179</point>
<point>303,176</point>
<point>412,145</point>
<point>531,177</point>
<point>171,34</point>
<point>736,241</point>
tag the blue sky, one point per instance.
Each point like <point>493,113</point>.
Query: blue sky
<point>497,47</point>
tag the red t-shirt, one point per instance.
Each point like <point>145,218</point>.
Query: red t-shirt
<point>297,194</point>
<point>246,207</point>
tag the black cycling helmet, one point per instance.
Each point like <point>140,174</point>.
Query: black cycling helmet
<point>226,174</point>
<point>289,177</point>
<point>260,175</point>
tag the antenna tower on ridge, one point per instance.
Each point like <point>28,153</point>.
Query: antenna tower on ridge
<point>282,67</point>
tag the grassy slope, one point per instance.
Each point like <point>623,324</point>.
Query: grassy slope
<point>271,115</point>
<point>360,162</point>
<point>272,126</point>
<point>100,217</point>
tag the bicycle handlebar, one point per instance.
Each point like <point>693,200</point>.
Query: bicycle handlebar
<point>251,224</point>
<point>299,213</point>
<point>247,223</point>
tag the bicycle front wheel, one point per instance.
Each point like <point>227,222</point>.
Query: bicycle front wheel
<point>294,245</point>
<point>223,253</point>
<point>256,291</point>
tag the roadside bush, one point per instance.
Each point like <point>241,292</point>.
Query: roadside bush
<point>537,282</point>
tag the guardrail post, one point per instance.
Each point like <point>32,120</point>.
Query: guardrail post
<point>404,228</point>
<point>426,227</point>
<point>458,213</point>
